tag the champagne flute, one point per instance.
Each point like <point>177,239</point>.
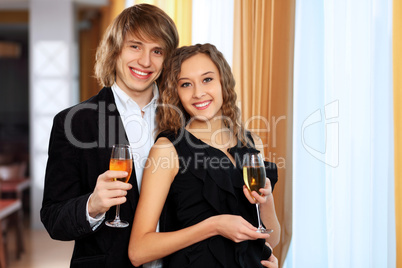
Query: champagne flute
<point>121,160</point>
<point>254,178</point>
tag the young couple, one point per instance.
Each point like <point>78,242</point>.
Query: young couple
<point>207,217</point>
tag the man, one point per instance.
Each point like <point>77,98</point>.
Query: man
<point>80,192</point>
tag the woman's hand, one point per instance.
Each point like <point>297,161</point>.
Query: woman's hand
<point>272,261</point>
<point>254,197</point>
<point>236,228</point>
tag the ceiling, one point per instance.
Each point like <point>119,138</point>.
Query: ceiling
<point>24,4</point>
<point>14,4</point>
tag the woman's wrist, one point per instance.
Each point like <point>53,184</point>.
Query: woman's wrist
<point>213,225</point>
<point>269,201</point>
<point>218,225</point>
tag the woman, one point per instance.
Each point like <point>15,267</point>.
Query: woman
<point>193,181</point>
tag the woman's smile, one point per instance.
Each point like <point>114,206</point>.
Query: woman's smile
<point>202,105</point>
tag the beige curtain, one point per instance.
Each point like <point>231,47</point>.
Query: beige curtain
<point>181,13</point>
<point>263,68</point>
<point>110,12</point>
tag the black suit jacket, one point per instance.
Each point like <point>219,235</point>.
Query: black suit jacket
<point>79,151</point>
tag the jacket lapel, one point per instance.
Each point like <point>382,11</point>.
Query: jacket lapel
<point>111,131</point>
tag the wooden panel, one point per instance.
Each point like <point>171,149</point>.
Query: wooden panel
<point>14,17</point>
<point>10,50</point>
<point>88,41</point>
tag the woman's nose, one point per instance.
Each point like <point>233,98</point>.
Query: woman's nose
<point>198,92</point>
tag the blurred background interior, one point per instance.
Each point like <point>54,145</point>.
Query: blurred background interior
<point>315,80</point>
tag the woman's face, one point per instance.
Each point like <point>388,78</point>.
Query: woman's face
<point>199,88</point>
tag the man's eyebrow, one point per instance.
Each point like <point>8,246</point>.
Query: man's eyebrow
<point>158,48</point>
<point>137,42</point>
<point>134,42</point>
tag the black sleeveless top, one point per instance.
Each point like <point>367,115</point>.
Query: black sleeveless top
<point>208,184</point>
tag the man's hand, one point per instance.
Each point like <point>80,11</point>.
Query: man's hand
<point>108,193</point>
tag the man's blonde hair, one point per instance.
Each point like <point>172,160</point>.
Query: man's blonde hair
<point>145,21</point>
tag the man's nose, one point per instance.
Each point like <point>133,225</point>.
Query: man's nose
<point>145,59</point>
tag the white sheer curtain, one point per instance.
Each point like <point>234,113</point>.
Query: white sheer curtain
<point>213,23</point>
<point>343,197</point>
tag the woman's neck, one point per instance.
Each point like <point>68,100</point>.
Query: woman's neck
<point>214,132</point>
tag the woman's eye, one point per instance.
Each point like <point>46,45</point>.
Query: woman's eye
<point>185,85</point>
<point>206,80</point>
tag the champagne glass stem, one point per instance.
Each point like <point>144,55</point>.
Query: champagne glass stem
<point>261,229</point>
<point>117,218</point>
<point>258,215</point>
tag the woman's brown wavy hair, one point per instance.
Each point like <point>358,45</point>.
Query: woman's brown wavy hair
<point>171,116</point>
<point>147,22</point>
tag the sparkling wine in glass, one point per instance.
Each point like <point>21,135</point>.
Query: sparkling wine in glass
<point>254,178</point>
<point>121,160</point>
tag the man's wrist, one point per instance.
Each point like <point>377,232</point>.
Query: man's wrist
<point>90,210</point>
<point>93,221</point>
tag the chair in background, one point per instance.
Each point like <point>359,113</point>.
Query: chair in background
<point>10,216</point>
<point>14,181</point>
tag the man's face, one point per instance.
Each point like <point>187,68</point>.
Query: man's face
<point>138,65</point>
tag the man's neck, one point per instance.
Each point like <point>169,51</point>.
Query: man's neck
<point>142,98</point>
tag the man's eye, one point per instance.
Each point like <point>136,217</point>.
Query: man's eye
<point>134,46</point>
